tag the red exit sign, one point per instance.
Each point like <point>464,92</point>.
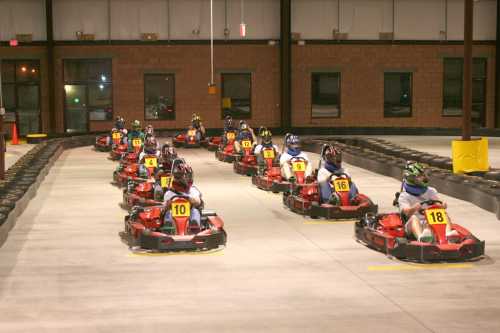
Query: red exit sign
<point>13,42</point>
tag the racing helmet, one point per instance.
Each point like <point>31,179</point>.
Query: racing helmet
<point>228,122</point>
<point>119,122</point>
<point>168,153</point>
<point>266,135</point>
<point>149,130</point>
<point>150,145</point>
<point>414,175</point>
<point>182,176</point>
<point>292,141</point>
<point>136,125</point>
<point>243,125</point>
<point>333,156</point>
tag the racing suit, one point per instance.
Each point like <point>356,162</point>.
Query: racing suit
<point>134,135</point>
<point>286,169</point>
<point>193,193</point>
<point>327,173</point>
<point>243,135</point>
<point>143,170</point>
<point>258,152</point>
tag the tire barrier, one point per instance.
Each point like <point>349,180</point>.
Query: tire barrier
<point>389,160</point>
<point>25,176</point>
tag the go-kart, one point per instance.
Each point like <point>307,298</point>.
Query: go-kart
<point>121,151</point>
<point>117,151</point>
<point>147,229</point>
<point>226,153</point>
<point>386,233</point>
<point>189,139</point>
<point>104,143</point>
<point>246,163</point>
<point>130,171</point>
<point>270,178</point>
<point>143,193</point>
<point>305,200</point>
<point>213,143</point>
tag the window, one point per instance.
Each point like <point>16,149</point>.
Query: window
<point>325,99</point>
<point>88,92</point>
<point>236,95</point>
<point>21,93</point>
<point>397,94</point>
<point>453,88</point>
<point>159,96</point>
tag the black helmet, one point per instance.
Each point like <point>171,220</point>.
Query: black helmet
<point>332,155</point>
<point>182,176</point>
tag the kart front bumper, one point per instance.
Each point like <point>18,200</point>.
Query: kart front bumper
<point>244,169</point>
<point>175,243</point>
<point>266,184</point>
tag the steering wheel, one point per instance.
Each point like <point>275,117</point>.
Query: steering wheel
<point>429,202</point>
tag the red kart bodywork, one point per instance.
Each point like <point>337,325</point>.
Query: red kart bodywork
<point>271,179</point>
<point>305,199</point>
<point>143,194</point>
<point>188,140</point>
<point>147,230</point>
<point>102,143</point>
<point>128,172</point>
<point>117,151</point>
<point>246,164</point>
<point>386,233</point>
<point>213,143</point>
<point>226,154</point>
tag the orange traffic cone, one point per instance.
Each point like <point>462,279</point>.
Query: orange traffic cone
<point>15,139</point>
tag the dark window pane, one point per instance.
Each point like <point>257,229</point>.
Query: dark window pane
<point>9,96</point>
<point>100,95</point>
<point>27,71</point>
<point>159,96</point>
<point>75,71</point>
<point>397,95</point>
<point>453,68</point>
<point>479,68</point>
<point>8,72</point>
<point>29,121</point>
<point>236,95</point>
<point>325,97</point>
<point>75,96</point>
<point>99,70</point>
<point>28,97</point>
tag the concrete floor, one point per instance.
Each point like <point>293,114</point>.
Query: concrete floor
<point>14,152</point>
<point>64,267</point>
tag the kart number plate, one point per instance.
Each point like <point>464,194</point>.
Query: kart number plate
<point>151,162</point>
<point>192,133</point>
<point>181,209</point>
<point>230,136</point>
<point>298,166</point>
<point>341,185</point>
<point>246,144</point>
<point>116,136</point>
<point>269,154</point>
<point>436,216</point>
<point>166,181</point>
<point>136,142</point>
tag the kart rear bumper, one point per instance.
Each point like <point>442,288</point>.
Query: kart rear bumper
<point>314,209</point>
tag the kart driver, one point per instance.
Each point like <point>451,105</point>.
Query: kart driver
<point>415,189</point>
<point>266,143</point>
<point>198,126</point>
<point>150,148</point>
<point>244,133</point>
<point>331,168</point>
<point>292,143</point>
<point>135,133</point>
<point>119,123</point>
<point>228,127</point>
<point>182,184</point>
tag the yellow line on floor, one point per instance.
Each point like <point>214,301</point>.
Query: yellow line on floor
<point>332,222</point>
<point>169,254</point>
<point>415,267</point>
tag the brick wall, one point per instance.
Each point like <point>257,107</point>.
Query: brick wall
<point>191,65</point>
<point>362,83</point>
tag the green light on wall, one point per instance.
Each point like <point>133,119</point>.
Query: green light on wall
<point>76,100</point>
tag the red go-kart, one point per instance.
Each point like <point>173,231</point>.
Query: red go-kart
<point>270,178</point>
<point>213,143</point>
<point>104,143</point>
<point>386,233</point>
<point>246,163</point>
<point>146,228</point>
<point>188,139</point>
<point>306,200</point>
<point>226,153</point>
<point>130,171</point>
<point>143,193</point>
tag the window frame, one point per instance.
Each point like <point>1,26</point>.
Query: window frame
<point>482,78</point>
<point>172,75</point>
<point>407,72</point>
<point>87,83</point>
<point>248,73</point>
<point>333,72</point>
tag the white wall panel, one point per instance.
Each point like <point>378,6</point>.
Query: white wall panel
<point>125,18</point>
<point>153,17</point>
<point>262,18</point>
<point>89,16</point>
<point>189,15</point>
<point>484,20</point>
<point>365,19</point>
<point>22,17</point>
<point>419,20</point>
<point>315,19</point>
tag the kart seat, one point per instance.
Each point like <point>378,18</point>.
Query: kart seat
<point>391,221</point>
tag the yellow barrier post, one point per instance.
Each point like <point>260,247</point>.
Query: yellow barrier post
<point>470,156</point>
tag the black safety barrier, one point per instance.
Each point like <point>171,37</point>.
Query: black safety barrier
<point>26,174</point>
<point>390,161</point>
